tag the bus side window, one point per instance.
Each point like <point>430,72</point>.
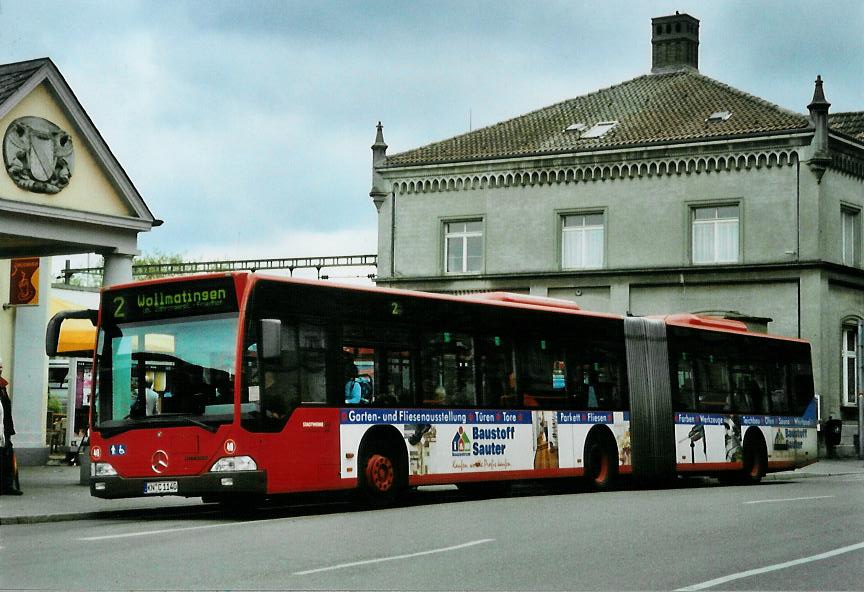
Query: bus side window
<point>359,379</point>
<point>448,370</point>
<point>598,377</point>
<point>684,384</point>
<point>298,374</point>
<point>312,347</point>
<point>543,374</point>
<point>495,368</point>
<point>714,392</point>
<point>802,387</point>
<point>398,385</point>
<point>777,388</point>
<point>748,389</point>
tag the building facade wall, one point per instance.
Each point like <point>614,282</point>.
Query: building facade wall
<point>647,220</point>
<point>789,230</point>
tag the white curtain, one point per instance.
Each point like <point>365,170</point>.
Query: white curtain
<point>703,242</point>
<point>582,247</point>
<point>727,241</point>
<point>715,241</point>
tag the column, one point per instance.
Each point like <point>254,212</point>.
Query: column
<point>28,386</point>
<point>118,269</point>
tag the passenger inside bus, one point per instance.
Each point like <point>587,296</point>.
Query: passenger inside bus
<point>356,386</point>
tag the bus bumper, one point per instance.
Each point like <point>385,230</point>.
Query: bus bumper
<point>237,483</point>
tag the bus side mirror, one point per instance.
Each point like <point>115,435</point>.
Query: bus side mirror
<point>78,341</point>
<point>271,338</point>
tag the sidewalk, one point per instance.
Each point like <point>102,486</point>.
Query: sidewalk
<point>52,494</point>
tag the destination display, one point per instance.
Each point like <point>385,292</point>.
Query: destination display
<point>158,301</point>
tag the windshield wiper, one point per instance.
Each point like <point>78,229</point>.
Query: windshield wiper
<point>210,428</point>
<point>144,422</point>
<point>110,432</point>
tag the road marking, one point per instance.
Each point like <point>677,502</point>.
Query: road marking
<point>127,535</point>
<point>769,568</point>
<point>789,499</point>
<point>392,557</point>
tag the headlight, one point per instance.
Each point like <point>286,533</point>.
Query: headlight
<point>234,463</point>
<point>102,470</point>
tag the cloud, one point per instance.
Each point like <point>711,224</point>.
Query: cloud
<point>245,124</point>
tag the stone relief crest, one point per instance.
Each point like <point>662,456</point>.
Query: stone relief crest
<point>38,155</point>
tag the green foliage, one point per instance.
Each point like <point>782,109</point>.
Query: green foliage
<point>54,404</point>
<point>157,258</point>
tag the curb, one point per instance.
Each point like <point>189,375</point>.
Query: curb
<point>108,514</point>
<point>789,476</point>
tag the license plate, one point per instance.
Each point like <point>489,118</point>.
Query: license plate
<point>160,487</point>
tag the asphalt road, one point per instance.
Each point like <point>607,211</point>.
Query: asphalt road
<point>806,534</point>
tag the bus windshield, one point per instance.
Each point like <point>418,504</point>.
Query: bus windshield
<point>177,371</point>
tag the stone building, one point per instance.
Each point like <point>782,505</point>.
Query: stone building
<point>670,192</point>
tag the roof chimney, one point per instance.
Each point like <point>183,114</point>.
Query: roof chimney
<point>675,43</point>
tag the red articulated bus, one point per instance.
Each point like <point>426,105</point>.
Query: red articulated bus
<point>238,386</point>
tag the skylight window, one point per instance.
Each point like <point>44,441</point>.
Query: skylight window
<point>719,116</point>
<point>599,129</point>
<point>576,127</point>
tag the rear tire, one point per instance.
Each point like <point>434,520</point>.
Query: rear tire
<point>755,463</point>
<point>601,464</point>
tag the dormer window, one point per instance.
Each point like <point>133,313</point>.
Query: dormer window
<point>599,129</point>
<point>719,117</point>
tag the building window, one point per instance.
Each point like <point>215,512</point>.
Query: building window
<point>850,359</point>
<point>582,241</point>
<point>463,246</point>
<point>715,235</point>
<point>849,232</point>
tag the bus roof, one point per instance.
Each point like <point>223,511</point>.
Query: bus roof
<point>492,298</point>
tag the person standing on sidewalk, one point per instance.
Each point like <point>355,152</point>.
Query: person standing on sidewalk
<point>7,455</point>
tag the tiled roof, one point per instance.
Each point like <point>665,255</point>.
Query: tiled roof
<point>850,123</point>
<point>13,76</point>
<point>651,109</point>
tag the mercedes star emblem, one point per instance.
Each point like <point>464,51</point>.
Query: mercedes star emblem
<point>159,461</point>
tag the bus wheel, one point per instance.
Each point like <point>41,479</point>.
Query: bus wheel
<point>380,479</point>
<point>601,464</point>
<point>755,463</point>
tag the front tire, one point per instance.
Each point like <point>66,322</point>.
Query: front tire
<point>381,480</point>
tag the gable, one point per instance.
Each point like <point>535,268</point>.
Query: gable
<point>89,189</point>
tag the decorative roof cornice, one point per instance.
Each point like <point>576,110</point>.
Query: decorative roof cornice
<point>430,182</point>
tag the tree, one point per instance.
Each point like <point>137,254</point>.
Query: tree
<point>157,257</point>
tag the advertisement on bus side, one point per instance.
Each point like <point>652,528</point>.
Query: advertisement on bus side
<point>454,441</point>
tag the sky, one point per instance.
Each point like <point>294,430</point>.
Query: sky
<point>246,126</point>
